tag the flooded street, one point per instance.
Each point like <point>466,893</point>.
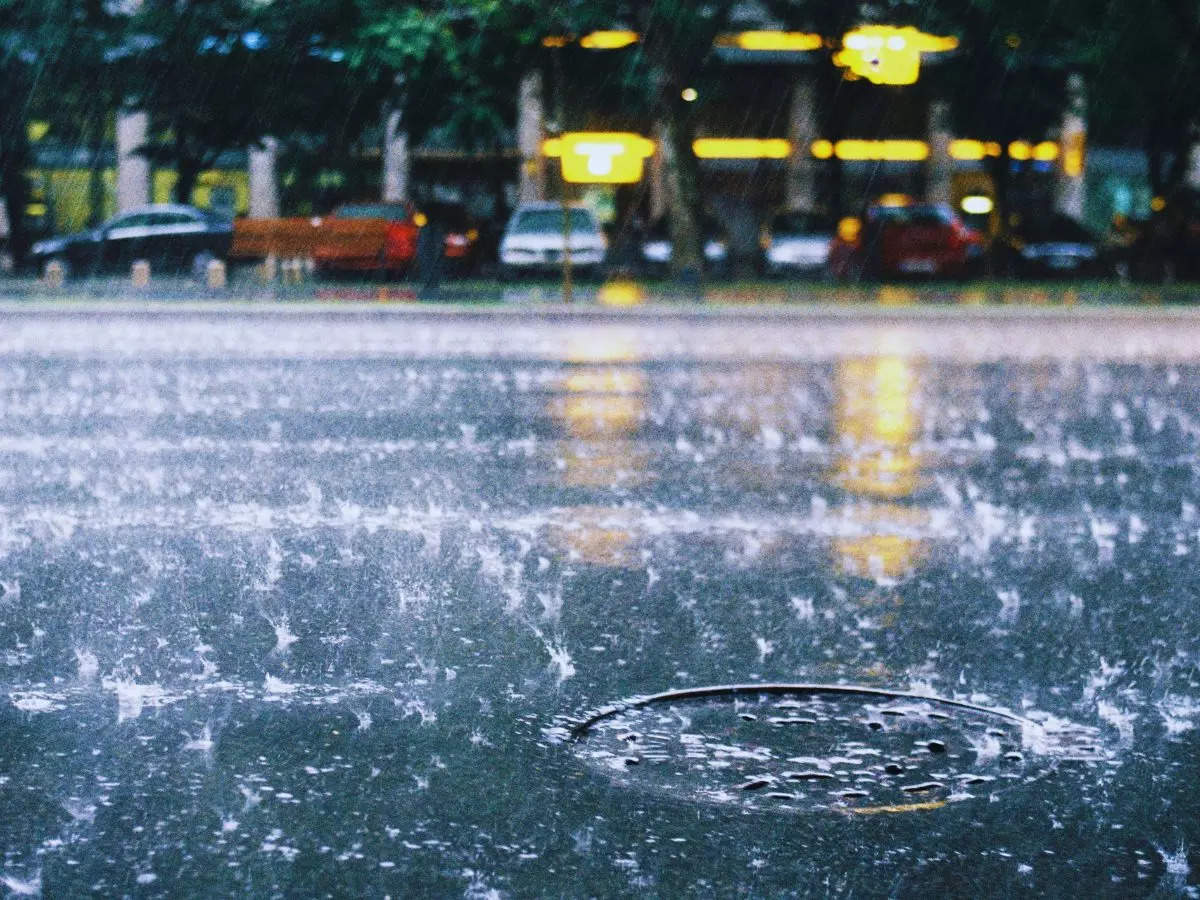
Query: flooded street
<point>371,603</point>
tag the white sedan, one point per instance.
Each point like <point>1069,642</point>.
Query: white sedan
<point>535,241</point>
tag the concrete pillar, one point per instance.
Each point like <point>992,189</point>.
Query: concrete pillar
<point>1072,155</point>
<point>803,128</point>
<point>531,114</point>
<point>264,187</point>
<point>940,168</point>
<point>395,158</point>
<point>133,169</point>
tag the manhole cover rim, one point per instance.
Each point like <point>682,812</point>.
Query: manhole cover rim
<point>579,729</point>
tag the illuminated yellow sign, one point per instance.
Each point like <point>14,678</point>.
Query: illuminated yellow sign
<point>742,148</point>
<point>600,157</point>
<point>885,54</point>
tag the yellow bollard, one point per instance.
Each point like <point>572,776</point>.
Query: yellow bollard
<point>269,267</point>
<point>54,274</point>
<point>140,274</point>
<point>214,275</point>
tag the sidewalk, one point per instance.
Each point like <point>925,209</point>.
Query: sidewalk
<point>614,294</point>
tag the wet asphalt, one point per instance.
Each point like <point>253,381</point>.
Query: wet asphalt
<point>313,602</point>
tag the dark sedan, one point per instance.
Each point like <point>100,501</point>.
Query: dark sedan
<point>1054,246</point>
<point>168,236</point>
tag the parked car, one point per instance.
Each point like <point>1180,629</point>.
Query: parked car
<point>461,235</point>
<point>1052,246</point>
<point>391,247</point>
<point>169,236</point>
<point>797,242</point>
<point>657,248</point>
<point>534,242</point>
<point>919,239</point>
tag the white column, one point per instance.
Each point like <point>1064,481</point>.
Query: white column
<point>133,169</point>
<point>264,188</point>
<point>1072,155</point>
<point>1193,173</point>
<point>395,158</point>
<point>531,114</point>
<point>940,171</point>
<point>803,125</point>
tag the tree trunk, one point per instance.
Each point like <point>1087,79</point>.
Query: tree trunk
<point>188,171</point>
<point>96,171</point>
<point>683,191</point>
<point>14,189</point>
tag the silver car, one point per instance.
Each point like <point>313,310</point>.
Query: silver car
<point>796,242</point>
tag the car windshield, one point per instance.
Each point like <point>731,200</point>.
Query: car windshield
<point>550,221</point>
<point>801,223</point>
<point>914,215</point>
<point>1056,229</point>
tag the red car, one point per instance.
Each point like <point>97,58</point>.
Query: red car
<point>372,237</point>
<point>921,239</point>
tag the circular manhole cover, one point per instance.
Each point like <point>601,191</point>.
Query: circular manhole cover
<point>802,747</point>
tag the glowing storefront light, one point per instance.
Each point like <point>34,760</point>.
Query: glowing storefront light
<point>742,148</point>
<point>888,151</point>
<point>1046,151</point>
<point>608,40</point>
<point>1020,150</point>
<point>600,157</point>
<point>886,54</point>
<point>772,41</point>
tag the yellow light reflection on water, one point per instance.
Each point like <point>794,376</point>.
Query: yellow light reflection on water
<point>890,544</point>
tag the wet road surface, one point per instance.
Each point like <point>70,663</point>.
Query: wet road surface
<point>364,604</point>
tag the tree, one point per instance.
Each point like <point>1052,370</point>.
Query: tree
<point>1143,69</point>
<point>222,74</point>
<point>33,38</point>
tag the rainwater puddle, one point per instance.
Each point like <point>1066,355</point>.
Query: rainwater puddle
<point>849,749</point>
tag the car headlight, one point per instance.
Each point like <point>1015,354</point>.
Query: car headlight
<point>657,251</point>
